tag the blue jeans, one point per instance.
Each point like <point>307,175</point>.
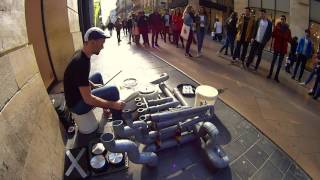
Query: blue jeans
<point>229,40</point>
<point>313,72</point>
<point>316,87</point>
<point>109,93</point>
<point>200,38</point>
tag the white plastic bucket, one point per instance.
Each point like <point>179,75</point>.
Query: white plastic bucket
<point>205,95</point>
<point>87,123</point>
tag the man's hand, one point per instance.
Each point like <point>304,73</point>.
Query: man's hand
<point>117,105</point>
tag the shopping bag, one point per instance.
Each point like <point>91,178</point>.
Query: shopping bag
<point>185,31</point>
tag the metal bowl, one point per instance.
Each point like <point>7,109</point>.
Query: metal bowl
<point>97,162</point>
<point>114,158</point>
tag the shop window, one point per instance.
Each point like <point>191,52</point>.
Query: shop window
<point>268,4</point>
<point>255,3</point>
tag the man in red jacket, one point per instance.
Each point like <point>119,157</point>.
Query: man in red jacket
<point>282,36</point>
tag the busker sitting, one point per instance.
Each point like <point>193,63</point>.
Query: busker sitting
<point>83,93</point>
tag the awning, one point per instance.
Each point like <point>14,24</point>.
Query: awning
<point>212,5</point>
<point>178,3</point>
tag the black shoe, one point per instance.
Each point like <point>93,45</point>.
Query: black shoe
<point>310,93</point>
<point>315,98</point>
<point>277,80</point>
<point>269,76</point>
<point>292,77</point>
<point>188,55</point>
<point>157,45</point>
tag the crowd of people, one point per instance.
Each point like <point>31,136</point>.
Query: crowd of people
<point>176,26</point>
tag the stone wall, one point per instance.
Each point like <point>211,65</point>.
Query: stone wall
<point>31,145</point>
<point>299,16</point>
<point>62,31</point>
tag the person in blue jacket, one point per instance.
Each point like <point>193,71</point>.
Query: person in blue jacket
<point>304,52</point>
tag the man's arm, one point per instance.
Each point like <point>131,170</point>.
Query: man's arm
<point>95,101</point>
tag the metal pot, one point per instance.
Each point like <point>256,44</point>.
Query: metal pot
<point>148,91</point>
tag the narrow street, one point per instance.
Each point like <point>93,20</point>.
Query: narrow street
<point>252,155</point>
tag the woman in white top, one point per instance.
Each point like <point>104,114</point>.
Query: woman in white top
<point>218,30</point>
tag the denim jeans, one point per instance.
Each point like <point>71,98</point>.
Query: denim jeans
<point>313,72</point>
<point>109,93</point>
<point>275,57</point>
<point>189,41</point>
<point>200,38</point>
<point>229,41</point>
<point>316,87</point>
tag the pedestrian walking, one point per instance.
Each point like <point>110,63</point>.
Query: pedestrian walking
<point>188,17</point>
<point>245,28</point>
<point>155,24</point>
<point>231,27</point>
<point>118,26</point>
<point>129,27</point>
<point>177,22</point>
<point>282,36</point>
<point>201,21</point>
<point>261,35</point>
<point>217,30</point>
<point>143,28</point>
<point>292,55</point>
<point>304,52</point>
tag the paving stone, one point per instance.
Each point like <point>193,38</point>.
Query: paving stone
<point>266,145</point>
<point>267,172</point>
<point>248,139</point>
<point>289,176</point>
<point>234,150</point>
<point>243,168</point>
<point>297,172</point>
<point>256,156</point>
<point>7,80</point>
<point>281,160</point>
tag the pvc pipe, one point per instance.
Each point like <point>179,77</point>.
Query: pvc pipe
<point>159,101</point>
<point>124,145</point>
<point>170,143</point>
<point>208,132</point>
<point>166,91</point>
<point>163,77</point>
<point>216,155</point>
<point>179,96</point>
<point>138,130</point>
<point>165,116</point>
<point>162,107</point>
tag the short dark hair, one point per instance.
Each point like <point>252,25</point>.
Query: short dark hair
<point>283,16</point>
<point>307,31</point>
<point>263,10</point>
<point>247,8</point>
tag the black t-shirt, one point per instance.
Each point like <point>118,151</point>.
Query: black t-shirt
<point>75,76</point>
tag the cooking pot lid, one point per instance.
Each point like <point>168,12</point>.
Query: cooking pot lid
<point>114,158</point>
<point>147,89</point>
<point>97,161</point>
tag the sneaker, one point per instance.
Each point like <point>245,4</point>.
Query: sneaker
<point>302,83</point>
<point>198,55</point>
<point>218,52</point>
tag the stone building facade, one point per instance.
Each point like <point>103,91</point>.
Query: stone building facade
<point>35,46</point>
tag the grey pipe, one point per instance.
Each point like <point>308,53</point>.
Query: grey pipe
<point>170,143</point>
<point>165,116</point>
<point>163,77</point>
<point>162,107</point>
<point>166,91</point>
<point>208,132</point>
<point>181,127</point>
<point>124,145</point>
<point>159,101</point>
<point>216,155</point>
<point>179,96</point>
<point>161,125</point>
<point>139,131</point>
